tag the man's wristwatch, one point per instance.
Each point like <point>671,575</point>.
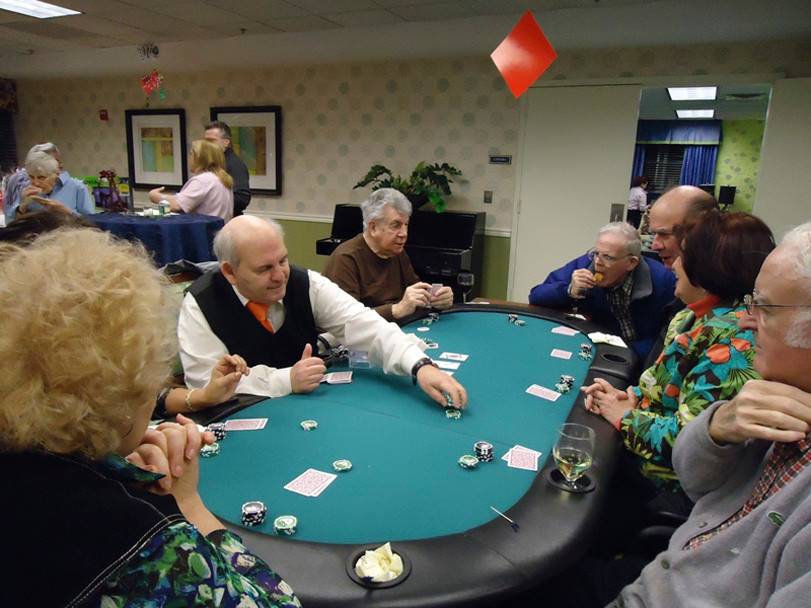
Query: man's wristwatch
<point>419,365</point>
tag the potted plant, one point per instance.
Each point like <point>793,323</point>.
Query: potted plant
<point>427,183</point>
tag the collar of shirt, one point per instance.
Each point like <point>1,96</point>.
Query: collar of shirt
<point>118,468</point>
<point>702,307</point>
<point>625,287</point>
<point>275,312</point>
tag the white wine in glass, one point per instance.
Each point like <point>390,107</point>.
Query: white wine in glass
<point>573,451</point>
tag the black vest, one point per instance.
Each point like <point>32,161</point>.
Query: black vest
<point>243,335</point>
<point>68,527</point>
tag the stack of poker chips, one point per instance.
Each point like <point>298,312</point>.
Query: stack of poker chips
<point>484,451</point>
<point>468,462</point>
<point>218,429</point>
<point>586,351</point>
<point>453,413</point>
<point>309,425</point>
<point>253,513</point>
<point>342,466</point>
<point>207,451</point>
<point>565,385</point>
<point>515,320</point>
<point>285,525</point>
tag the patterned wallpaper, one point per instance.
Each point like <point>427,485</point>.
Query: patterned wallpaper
<point>739,159</point>
<point>339,119</point>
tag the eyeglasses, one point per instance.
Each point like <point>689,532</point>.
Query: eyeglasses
<point>608,259</point>
<point>751,304</point>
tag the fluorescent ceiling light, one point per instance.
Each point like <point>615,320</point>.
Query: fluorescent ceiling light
<point>695,113</point>
<point>690,93</point>
<point>34,8</point>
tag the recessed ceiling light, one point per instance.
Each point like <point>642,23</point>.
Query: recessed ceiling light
<point>695,113</point>
<point>34,8</point>
<point>690,93</point>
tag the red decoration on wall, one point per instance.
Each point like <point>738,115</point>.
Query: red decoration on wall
<point>151,82</point>
<point>524,55</point>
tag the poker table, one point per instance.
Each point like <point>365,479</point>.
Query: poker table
<point>406,485</point>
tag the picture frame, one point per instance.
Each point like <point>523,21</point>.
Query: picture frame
<point>256,137</point>
<point>156,147</point>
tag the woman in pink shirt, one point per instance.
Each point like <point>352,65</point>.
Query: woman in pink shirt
<point>209,191</point>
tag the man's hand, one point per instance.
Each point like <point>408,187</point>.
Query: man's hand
<point>415,296</point>
<point>442,299</point>
<point>763,410</point>
<point>307,373</point>
<point>224,379</point>
<point>582,281</point>
<point>434,381</point>
<point>609,402</point>
<point>52,205</point>
<point>31,191</point>
<point>156,194</point>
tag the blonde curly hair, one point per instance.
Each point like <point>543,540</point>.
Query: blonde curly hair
<point>86,341</point>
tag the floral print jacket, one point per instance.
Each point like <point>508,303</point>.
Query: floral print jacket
<point>705,358</point>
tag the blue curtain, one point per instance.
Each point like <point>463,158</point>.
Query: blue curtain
<point>678,132</point>
<point>699,165</point>
<point>639,161</point>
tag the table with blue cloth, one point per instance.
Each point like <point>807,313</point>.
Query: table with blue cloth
<point>406,485</point>
<point>167,238</point>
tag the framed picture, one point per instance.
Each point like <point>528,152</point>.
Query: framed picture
<point>156,146</point>
<point>256,137</point>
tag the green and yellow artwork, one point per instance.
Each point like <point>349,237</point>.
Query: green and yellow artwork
<point>157,150</point>
<point>250,144</point>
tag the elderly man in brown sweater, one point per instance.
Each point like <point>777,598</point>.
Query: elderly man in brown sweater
<point>374,268</point>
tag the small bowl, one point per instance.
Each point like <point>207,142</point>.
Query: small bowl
<point>356,555</point>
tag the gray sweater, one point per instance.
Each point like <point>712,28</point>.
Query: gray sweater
<point>754,562</point>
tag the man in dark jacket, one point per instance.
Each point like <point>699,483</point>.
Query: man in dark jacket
<point>234,165</point>
<point>614,285</point>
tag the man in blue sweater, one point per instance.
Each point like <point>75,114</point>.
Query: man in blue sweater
<point>613,285</point>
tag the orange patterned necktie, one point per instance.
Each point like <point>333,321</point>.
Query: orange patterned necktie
<point>260,311</point>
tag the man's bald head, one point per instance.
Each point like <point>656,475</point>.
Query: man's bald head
<point>669,214</point>
<point>241,231</point>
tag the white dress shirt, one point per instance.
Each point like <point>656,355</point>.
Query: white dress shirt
<point>359,328</point>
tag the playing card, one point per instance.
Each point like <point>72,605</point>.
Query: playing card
<point>565,331</point>
<point>543,393</point>
<point>561,354</point>
<point>311,482</point>
<point>338,377</point>
<point>246,424</point>
<point>519,459</point>
<point>454,356</point>
<point>435,287</point>
<point>446,364</point>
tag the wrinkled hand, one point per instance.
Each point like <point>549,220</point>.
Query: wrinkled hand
<point>433,381</point>
<point>31,191</point>
<point>156,194</point>
<point>442,299</point>
<point>224,379</point>
<point>607,401</point>
<point>170,449</point>
<point>582,281</point>
<point>53,205</point>
<point>415,296</point>
<point>763,410</point>
<point>307,373</point>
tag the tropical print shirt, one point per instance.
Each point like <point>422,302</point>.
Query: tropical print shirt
<point>180,567</point>
<point>705,358</point>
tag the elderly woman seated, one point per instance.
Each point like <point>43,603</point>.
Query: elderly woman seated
<point>706,356</point>
<point>98,509</point>
<point>52,190</point>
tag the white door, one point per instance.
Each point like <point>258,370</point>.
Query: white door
<point>577,153</point>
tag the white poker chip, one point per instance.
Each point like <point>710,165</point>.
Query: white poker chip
<point>423,329</point>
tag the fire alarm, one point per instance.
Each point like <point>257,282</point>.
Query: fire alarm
<point>103,115</point>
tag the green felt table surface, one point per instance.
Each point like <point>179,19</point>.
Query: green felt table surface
<point>406,482</point>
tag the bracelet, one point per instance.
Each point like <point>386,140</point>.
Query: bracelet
<point>418,366</point>
<point>188,399</point>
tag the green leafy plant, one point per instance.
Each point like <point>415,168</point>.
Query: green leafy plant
<point>427,183</point>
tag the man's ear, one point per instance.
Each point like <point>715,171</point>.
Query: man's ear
<point>228,272</point>
<point>633,262</point>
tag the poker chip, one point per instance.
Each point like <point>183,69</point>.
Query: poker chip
<point>309,425</point>
<point>484,451</point>
<point>253,513</point>
<point>562,388</point>
<point>512,318</point>
<point>468,462</point>
<point>448,399</point>
<point>452,413</point>
<point>586,351</point>
<point>207,451</point>
<point>285,525</point>
<point>218,429</point>
<point>567,380</point>
<point>519,322</point>
<point>342,466</point>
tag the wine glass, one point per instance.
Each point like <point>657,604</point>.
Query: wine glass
<point>465,281</point>
<point>573,451</point>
